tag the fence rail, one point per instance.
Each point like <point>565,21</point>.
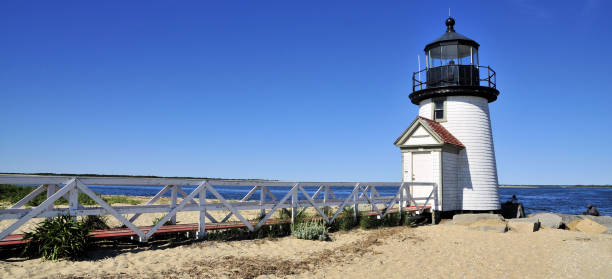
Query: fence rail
<point>361,193</point>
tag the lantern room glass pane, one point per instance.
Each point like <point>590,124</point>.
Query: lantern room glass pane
<point>464,54</point>
<point>434,57</point>
<point>449,55</point>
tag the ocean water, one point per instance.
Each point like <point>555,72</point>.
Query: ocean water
<point>566,200</point>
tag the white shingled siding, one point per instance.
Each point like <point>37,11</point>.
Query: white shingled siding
<point>467,118</point>
<point>436,179</point>
<point>450,190</point>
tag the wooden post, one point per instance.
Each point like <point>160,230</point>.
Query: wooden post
<point>433,217</point>
<point>400,208</point>
<point>325,197</point>
<point>202,222</point>
<point>355,203</point>
<point>371,198</point>
<point>294,198</point>
<point>173,195</point>
<point>262,199</point>
<point>73,202</point>
<point>50,192</point>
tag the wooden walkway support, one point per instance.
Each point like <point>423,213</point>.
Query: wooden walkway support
<point>361,193</point>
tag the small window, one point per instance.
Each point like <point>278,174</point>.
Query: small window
<point>438,110</point>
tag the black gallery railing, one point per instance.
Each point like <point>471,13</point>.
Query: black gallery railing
<point>454,75</point>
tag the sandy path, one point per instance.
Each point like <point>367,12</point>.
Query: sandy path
<point>425,252</point>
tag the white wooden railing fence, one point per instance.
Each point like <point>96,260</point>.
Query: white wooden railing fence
<point>362,193</point>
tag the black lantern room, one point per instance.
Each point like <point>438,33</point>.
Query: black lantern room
<point>452,68</point>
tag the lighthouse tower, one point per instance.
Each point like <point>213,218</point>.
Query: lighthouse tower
<point>450,142</point>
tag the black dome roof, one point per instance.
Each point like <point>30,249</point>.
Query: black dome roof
<point>450,37</point>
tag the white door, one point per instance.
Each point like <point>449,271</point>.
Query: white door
<point>422,171</point>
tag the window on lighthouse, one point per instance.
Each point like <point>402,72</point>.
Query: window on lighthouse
<point>438,110</point>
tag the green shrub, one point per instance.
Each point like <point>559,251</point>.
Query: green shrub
<point>310,230</point>
<point>393,219</point>
<point>58,238</point>
<point>229,234</point>
<point>94,222</point>
<point>275,230</point>
<point>285,215</point>
<point>415,221</point>
<point>345,219</point>
<point>368,222</point>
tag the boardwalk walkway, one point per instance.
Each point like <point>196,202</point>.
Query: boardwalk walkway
<point>258,197</point>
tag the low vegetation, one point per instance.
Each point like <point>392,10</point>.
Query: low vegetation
<point>367,221</point>
<point>346,220</point>
<point>62,237</point>
<point>93,222</point>
<point>310,230</point>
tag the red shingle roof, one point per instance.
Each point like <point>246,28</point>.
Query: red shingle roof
<point>446,136</point>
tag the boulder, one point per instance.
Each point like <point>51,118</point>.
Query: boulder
<point>524,225</point>
<point>589,226</point>
<point>467,219</point>
<point>548,220</point>
<point>495,225</point>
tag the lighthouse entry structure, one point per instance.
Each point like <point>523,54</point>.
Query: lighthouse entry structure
<point>450,142</point>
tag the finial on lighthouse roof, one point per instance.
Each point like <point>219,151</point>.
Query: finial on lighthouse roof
<point>450,23</point>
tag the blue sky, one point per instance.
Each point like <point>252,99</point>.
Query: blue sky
<point>312,90</point>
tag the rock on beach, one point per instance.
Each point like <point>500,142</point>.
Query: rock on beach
<point>549,220</point>
<point>468,219</point>
<point>481,222</point>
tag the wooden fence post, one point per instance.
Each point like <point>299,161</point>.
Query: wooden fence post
<point>73,202</point>
<point>400,208</point>
<point>262,199</point>
<point>202,222</point>
<point>356,203</point>
<point>325,197</point>
<point>50,191</point>
<point>294,198</point>
<point>173,195</point>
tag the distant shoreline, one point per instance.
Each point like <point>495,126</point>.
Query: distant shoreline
<point>558,186</point>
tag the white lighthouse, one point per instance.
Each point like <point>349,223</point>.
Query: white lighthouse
<point>450,142</point>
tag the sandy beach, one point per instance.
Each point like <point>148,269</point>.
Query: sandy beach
<point>441,251</point>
